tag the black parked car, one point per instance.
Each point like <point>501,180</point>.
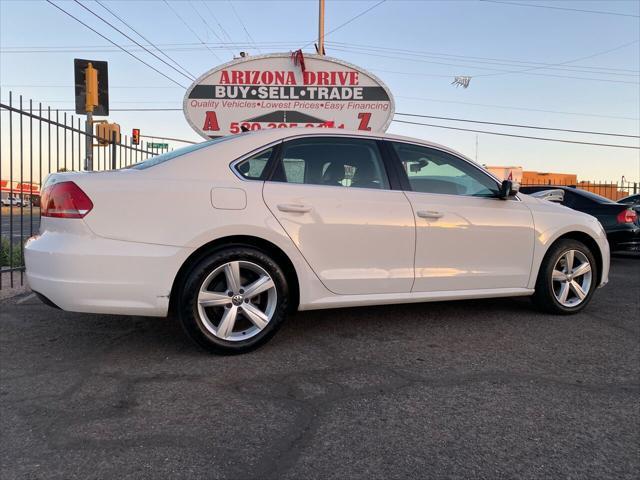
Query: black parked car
<point>619,220</point>
<point>633,201</point>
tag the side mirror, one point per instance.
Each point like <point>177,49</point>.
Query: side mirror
<point>508,189</point>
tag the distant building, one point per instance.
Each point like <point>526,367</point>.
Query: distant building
<point>548,178</point>
<point>506,173</point>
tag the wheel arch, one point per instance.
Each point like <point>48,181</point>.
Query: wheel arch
<point>584,238</point>
<point>258,243</point>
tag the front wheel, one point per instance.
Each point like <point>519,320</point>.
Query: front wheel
<point>567,278</point>
<point>233,300</point>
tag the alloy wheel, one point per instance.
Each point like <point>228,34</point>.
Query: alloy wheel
<point>237,300</point>
<point>571,277</point>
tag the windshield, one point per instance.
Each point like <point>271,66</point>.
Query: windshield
<point>165,157</point>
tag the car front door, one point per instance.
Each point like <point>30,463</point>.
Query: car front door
<point>466,238</point>
<point>333,197</point>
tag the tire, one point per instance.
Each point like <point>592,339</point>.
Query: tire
<point>556,291</point>
<point>218,313</point>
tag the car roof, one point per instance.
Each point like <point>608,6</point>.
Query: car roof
<point>629,197</point>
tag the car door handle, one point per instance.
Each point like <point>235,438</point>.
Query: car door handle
<point>294,207</point>
<point>429,214</point>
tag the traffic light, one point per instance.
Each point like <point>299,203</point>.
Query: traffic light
<point>91,85</point>
<point>135,136</point>
<point>107,133</point>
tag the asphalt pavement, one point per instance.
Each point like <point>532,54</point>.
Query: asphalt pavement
<point>18,223</point>
<point>477,389</point>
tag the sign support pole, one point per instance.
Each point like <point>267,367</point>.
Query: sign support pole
<point>88,128</point>
<point>91,102</point>
<point>321,27</point>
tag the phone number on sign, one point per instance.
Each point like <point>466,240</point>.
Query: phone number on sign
<point>237,127</point>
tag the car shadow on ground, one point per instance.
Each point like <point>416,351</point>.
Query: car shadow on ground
<point>151,333</point>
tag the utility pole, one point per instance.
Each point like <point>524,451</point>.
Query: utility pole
<point>91,102</point>
<point>321,27</point>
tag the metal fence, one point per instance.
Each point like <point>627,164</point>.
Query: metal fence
<point>611,190</point>
<point>36,141</point>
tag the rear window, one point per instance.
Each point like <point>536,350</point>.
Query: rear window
<point>165,157</point>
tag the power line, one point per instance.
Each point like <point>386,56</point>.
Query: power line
<point>192,76</point>
<point>498,61</point>
<point>134,41</point>
<point>209,46</point>
<point>475,66</point>
<point>414,123</point>
<point>207,26</point>
<point>536,127</point>
<point>191,29</point>
<point>114,43</point>
<point>519,136</point>
<point>249,37</point>
<point>222,29</point>
<point>352,19</point>
<point>146,87</point>
<point>122,109</point>
<point>568,61</point>
<point>49,48</point>
<point>524,109</point>
<point>599,12</point>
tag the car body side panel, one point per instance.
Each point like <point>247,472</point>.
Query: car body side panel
<point>357,240</point>
<point>473,243</point>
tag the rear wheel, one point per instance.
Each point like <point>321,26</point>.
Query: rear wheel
<point>233,300</point>
<point>567,278</point>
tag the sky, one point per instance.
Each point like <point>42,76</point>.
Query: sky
<point>561,64</point>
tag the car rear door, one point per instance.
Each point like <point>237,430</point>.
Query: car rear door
<point>333,197</point>
<point>466,238</point>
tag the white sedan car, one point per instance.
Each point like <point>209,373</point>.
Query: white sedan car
<point>231,234</point>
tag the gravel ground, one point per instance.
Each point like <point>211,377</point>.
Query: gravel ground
<point>477,389</point>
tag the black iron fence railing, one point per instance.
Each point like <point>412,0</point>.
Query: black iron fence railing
<point>610,190</point>
<point>34,142</point>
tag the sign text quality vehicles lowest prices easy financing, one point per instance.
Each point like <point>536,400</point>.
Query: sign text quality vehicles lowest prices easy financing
<point>273,91</point>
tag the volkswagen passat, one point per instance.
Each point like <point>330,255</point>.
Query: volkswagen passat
<point>297,219</point>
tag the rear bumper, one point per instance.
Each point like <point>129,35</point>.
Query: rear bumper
<point>625,240</point>
<point>80,272</point>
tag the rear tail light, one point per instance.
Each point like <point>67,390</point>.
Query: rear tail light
<point>65,200</point>
<point>627,216</point>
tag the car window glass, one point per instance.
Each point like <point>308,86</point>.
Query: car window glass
<point>570,199</point>
<point>433,171</point>
<point>253,167</point>
<point>337,162</point>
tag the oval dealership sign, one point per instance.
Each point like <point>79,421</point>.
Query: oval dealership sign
<point>271,91</point>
